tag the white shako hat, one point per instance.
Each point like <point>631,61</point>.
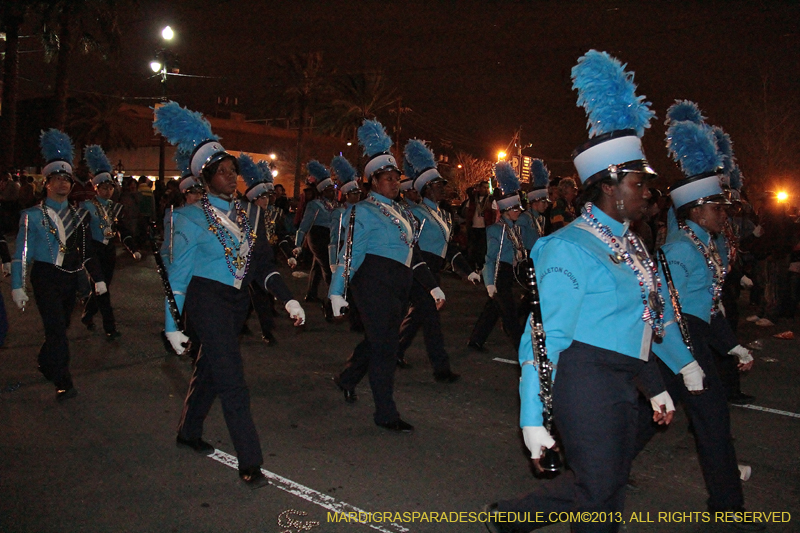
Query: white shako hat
<point>541,179</point>
<point>57,151</point>
<point>190,132</point>
<point>508,182</point>
<point>319,176</point>
<point>253,176</point>
<point>376,144</point>
<point>617,119</point>
<point>98,164</point>
<point>693,145</point>
<point>420,159</point>
<point>346,174</point>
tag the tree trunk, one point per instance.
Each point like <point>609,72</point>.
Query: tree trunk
<point>62,72</point>
<point>8,121</point>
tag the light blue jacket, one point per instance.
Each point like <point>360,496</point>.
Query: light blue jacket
<point>436,232</point>
<point>494,234</point>
<point>317,214</point>
<point>585,296</point>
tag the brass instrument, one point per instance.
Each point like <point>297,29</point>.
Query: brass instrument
<point>550,460</point>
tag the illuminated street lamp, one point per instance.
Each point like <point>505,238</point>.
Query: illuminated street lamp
<point>163,62</point>
<point>273,156</point>
<point>782,196</point>
<point>501,155</point>
<point>155,66</point>
<point>167,33</point>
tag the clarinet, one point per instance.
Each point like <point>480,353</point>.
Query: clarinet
<point>550,461</point>
<point>162,272</point>
<point>674,297</point>
<point>348,255</point>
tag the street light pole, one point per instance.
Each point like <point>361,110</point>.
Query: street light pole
<point>160,66</point>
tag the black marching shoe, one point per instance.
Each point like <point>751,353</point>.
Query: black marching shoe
<point>88,323</point>
<point>310,298</point>
<point>741,398</point>
<point>402,363</point>
<point>65,394</point>
<point>478,347</point>
<point>350,395</point>
<point>113,335</point>
<point>492,524</point>
<point>447,376</point>
<point>398,426</point>
<point>269,339</point>
<point>253,477</point>
<point>198,445</point>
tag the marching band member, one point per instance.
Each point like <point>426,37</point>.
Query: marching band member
<point>105,225</point>
<point>56,238</point>
<point>316,224</point>
<point>698,272</point>
<point>434,242</point>
<point>601,308</point>
<point>534,217</point>
<point>505,250</point>
<point>219,248</point>
<point>378,263</point>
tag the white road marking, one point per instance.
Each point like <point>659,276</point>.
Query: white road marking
<point>507,361</point>
<point>308,494</point>
<point>768,410</point>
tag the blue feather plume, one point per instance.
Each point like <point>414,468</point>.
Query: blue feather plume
<point>693,147</point>
<point>373,138</point>
<point>182,127</point>
<point>507,179</point>
<point>736,178</point>
<point>266,171</point>
<point>684,110</point>
<point>56,145</point>
<point>317,170</point>
<point>248,170</point>
<point>408,169</point>
<point>541,175</point>
<point>96,159</point>
<point>725,149</point>
<point>608,94</point>
<point>345,173</point>
<point>182,161</point>
<point>419,156</point>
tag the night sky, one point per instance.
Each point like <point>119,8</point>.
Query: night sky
<point>473,72</point>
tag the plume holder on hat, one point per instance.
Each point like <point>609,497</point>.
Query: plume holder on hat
<point>57,151</point>
<point>422,162</point>
<point>541,180</point>
<point>320,175</point>
<point>617,119</point>
<point>376,144</point>
<point>346,175</point>
<point>98,164</point>
<point>508,182</point>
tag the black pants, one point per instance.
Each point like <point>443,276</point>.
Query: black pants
<point>262,304</point>
<point>710,418</point>
<point>54,291</point>
<point>723,340</point>
<point>107,257</point>
<point>476,247</point>
<point>318,240</point>
<point>217,313</point>
<point>504,305</point>
<point>380,288</point>
<point>598,437</point>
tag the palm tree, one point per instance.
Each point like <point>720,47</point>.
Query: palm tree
<point>305,84</point>
<point>97,120</point>
<point>76,25</point>
<point>12,15</point>
<point>355,97</point>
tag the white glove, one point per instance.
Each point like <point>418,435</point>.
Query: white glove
<point>492,290</point>
<point>297,251</point>
<point>333,269</point>
<point>536,438</point>
<point>742,354</point>
<point>296,311</point>
<point>758,231</point>
<point>474,277</point>
<point>6,268</point>
<point>746,282</point>
<point>693,376</point>
<point>137,256</point>
<point>20,297</point>
<point>100,288</point>
<point>178,340</point>
<point>662,399</point>
<point>438,294</point>
<point>338,303</point>
<point>292,262</point>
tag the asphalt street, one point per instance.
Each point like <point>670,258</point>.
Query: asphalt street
<point>107,460</point>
